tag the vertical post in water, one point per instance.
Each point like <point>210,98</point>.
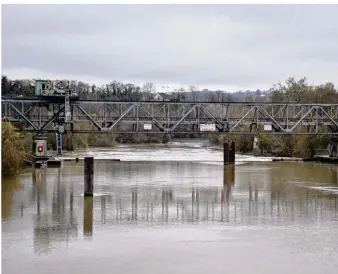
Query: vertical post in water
<point>88,176</point>
<point>226,153</point>
<point>232,153</point>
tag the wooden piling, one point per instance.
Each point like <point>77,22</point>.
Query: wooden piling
<point>226,153</point>
<point>232,153</point>
<point>88,176</point>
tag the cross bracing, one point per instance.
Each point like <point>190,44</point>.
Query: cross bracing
<point>98,116</point>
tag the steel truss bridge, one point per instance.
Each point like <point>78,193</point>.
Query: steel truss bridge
<point>153,117</point>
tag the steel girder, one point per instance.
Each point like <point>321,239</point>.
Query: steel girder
<point>170,117</point>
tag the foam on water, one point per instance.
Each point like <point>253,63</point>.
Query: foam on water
<point>329,189</point>
<point>191,150</point>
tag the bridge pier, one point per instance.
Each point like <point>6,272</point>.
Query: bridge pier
<point>256,150</point>
<point>39,147</point>
<point>229,150</point>
<point>226,153</point>
<point>166,138</point>
<point>232,153</point>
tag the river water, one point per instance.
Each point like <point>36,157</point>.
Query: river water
<point>172,209</point>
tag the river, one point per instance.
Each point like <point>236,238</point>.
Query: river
<point>172,208</point>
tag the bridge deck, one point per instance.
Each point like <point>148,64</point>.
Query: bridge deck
<point>41,115</point>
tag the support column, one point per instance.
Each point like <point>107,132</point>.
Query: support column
<point>88,176</point>
<point>226,159</point>
<point>58,144</point>
<point>232,153</point>
<point>166,138</point>
<point>39,148</point>
<point>255,146</point>
<point>71,130</point>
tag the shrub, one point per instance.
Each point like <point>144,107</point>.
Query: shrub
<point>12,152</point>
<point>265,143</point>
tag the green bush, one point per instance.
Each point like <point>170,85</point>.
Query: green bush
<point>265,143</point>
<point>12,151</point>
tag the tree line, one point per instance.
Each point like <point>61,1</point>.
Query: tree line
<point>116,90</point>
<point>291,91</point>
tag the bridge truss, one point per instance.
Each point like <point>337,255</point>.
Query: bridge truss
<point>152,117</point>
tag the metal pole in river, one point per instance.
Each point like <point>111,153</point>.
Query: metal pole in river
<point>232,153</point>
<point>88,176</point>
<point>226,153</point>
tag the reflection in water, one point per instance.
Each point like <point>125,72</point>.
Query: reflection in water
<point>170,193</point>
<point>8,190</point>
<point>134,204</point>
<point>88,216</point>
<point>283,212</point>
<point>39,187</point>
<point>58,225</point>
<point>216,204</point>
<point>208,204</point>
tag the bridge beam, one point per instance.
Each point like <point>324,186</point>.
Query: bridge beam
<point>170,117</point>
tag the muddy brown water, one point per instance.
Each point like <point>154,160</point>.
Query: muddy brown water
<point>172,209</point>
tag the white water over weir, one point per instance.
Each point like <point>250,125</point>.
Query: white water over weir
<point>195,150</point>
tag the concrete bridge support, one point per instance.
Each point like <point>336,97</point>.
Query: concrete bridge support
<point>39,147</point>
<point>166,138</point>
<point>256,150</point>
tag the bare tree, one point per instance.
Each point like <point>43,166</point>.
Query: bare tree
<point>219,95</point>
<point>194,93</point>
<point>178,94</point>
<point>148,89</point>
<point>192,88</point>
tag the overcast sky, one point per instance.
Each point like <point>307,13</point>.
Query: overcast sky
<point>210,46</point>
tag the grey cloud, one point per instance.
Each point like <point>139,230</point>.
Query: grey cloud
<point>225,45</point>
